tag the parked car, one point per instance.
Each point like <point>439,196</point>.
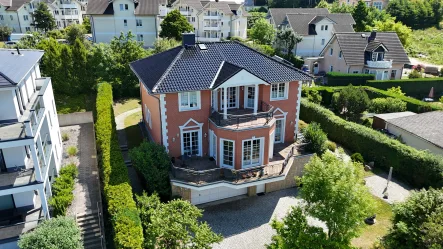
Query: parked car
<point>10,43</point>
<point>428,100</point>
<point>432,70</point>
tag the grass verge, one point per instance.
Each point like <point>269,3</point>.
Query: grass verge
<point>77,103</point>
<point>132,130</point>
<point>125,105</point>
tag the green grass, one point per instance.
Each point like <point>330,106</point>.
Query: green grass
<point>132,130</point>
<point>428,42</point>
<point>78,103</point>
<point>370,233</point>
<point>72,151</point>
<point>125,105</point>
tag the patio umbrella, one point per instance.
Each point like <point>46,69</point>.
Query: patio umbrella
<point>431,93</point>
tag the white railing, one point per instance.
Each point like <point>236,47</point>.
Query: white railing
<point>379,64</point>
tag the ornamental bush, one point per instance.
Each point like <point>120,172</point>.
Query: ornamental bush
<point>316,138</point>
<point>62,188</point>
<point>418,168</point>
<point>357,158</point>
<point>387,105</point>
<point>126,225</point>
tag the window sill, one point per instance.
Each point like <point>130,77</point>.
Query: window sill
<point>188,109</point>
<point>278,99</point>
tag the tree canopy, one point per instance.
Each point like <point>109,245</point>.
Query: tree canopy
<point>174,25</point>
<point>417,14</point>
<point>286,39</point>
<point>74,32</point>
<point>360,15</point>
<point>263,31</point>
<point>5,32</point>
<point>351,101</point>
<point>43,18</point>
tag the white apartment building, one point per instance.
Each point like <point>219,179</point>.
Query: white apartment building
<point>18,15</point>
<point>30,143</point>
<point>110,18</point>
<point>213,20</point>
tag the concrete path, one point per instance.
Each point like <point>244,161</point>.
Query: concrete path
<point>397,191</point>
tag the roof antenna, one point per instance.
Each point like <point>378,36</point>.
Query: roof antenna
<point>18,50</point>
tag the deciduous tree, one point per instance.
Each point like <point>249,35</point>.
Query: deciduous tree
<point>286,39</point>
<point>322,4</point>
<point>43,18</point>
<point>174,25</point>
<point>5,32</point>
<point>74,32</point>
<point>263,31</point>
<point>404,32</point>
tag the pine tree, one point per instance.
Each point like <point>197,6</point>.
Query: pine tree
<point>360,15</point>
<point>43,18</point>
<point>64,74</point>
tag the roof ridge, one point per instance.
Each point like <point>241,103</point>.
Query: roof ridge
<point>168,69</point>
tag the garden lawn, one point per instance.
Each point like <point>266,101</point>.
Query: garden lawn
<point>370,233</point>
<point>77,103</point>
<point>132,129</point>
<point>428,42</point>
<point>124,105</point>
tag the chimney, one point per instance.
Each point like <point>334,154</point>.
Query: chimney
<point>188,40</point>
<point>373,35</point>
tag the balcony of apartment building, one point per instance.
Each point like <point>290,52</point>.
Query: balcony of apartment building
<point>203,171</point>
<point>211,14</point>
<point>212,25</point>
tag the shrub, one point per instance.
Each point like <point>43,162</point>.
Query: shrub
<point>441,99</point>
<point>331,145</point>
<point>126,225</point>
<point>419,168</point>
<point>60,232</point>
<point>65,137</point>
<point>352,101</point>
<point>366,122</point>
<point>316,138</point>
<point>387,105</point>
<point>414,74</point>
<point>62,188</point>
<point>314,96</point>
<point>357,158</point>
<point>301,125</point>
<point>344,79</point>
<point>72,151</point>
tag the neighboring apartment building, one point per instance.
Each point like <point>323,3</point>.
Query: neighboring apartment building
<point>276,16</point>
<point>378,4</point>
<point>30,143</point>
<point>18,15</point>
<point>214,20</point>
<point>379,53</point>
<point>224,112</point>
<point>317,30</point>
<point>110,18</point>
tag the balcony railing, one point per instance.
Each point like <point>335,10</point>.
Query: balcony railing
<point>265,114</point>
<point>379,64</point>
<point>36,114</point>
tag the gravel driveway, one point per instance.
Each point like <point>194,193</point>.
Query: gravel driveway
<point>245,223</point>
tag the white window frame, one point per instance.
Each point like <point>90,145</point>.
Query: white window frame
<point>323,41</point>
<point>378,5</point>
<point>188,129</point>
<point>140,37</point>
<point>138,23</point>
<point>148,117</point>
<point>340,54</point>
<point>326,27</point>
<point>283,129</point>
<point>25,17</point>
<point>122,7</point>
<point>183,108</point>
<point>322,27</point>
<point>237,97</point>
<point>285,94</point>
<point>331,51</point>
<point>260,159</point>
<point>125,23</point>
<point>213,144</point>
<point>221,148</point>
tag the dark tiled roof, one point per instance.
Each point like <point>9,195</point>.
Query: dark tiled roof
<point>196,4</point>
<point>142,7</point>
<point>13,4</point>
<point>353,47</point>
<point>14,66</point>
<point>5,81</point>
<point>279,14</point>
<point>192,69</point>
<point>226,7</point>
<point>425,125</point>
<point>373,45</point>
<point>300,22</point>
<point>227,70</point>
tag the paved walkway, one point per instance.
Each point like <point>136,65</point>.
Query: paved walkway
<point>397,191</point>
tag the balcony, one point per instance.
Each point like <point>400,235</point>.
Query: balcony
<point>17,178</point>
<point>202,171</point>
<point>208,39</point>
<point>212,27</point>
<point>243,118</point>
<point>36,114</point>
<point>379,64</point>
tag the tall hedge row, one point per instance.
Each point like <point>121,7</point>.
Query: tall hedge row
<point>128,232</point>
<point>412,87</point>
<point>344,79</point>
<point>418,168</point>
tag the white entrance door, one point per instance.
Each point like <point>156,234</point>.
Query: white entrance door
<point>214,194</point>
<point>249,97</point>
<point>279,131</point>
<point>213,144</point>
<point>232,97</point>
<point>271,144</point>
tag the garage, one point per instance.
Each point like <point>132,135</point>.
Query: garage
<point>214,194</point>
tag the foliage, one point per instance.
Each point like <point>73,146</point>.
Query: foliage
<point>427,44</point>
<point>60,232</point>
<point>65,137</point>
<point>404,32</point>
<point>5,32</point>
<point>174,224</point>
<point>72,151</point>
<point>387,105</point>
<point>56,33</point>
<point>62,188</point>
<point>367,122</point>
<point>344,79</point>
<point>419,168</point>
<point>418,222</point>
<point>153,162</point>
<point>322,4</point>
<point>128,232</point>
<point>441,99</point>
<point>396,90</point>
<point>87,24</point>
<point>286,39</point>
<point>412,87</point>
<point>313,96</point>
<point>357,158</point>
<point>253,17</point>
<point>263,32</point>
<point>161,45</point>
<point>415,74</point>
<point>43,18</point>
<point>316,138</point>
<point>331,145</point>
<point>265,49</point>
<point>336,7</point>
<point>30,41</point>
<point>360,14</point>
<point>417,14</point>
<point>174,25</point>
<point>352,101</point>
<point>74,32</point>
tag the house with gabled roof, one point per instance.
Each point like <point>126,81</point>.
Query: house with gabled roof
<point>226,114</point>
<point>378,53</point>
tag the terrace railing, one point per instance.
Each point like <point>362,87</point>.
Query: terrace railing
<point>265,111</point>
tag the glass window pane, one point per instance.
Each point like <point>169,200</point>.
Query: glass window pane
<point>184,100</point>
<point>274,88</point>
<point>193,99</point>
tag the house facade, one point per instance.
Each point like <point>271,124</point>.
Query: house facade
<point>110,18</point>
<point>223,111</point>
<point>30,143</point>
<point>378,53</point>
<point>378,4</point>
<point>213,20</point>
<point>18,15</point>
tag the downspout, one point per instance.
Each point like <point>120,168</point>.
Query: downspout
<point>159,111</point>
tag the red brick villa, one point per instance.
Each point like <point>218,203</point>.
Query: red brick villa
<point>226,114</point>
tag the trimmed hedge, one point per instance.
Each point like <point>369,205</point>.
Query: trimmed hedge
<point>62,195</point>
<point>344,79</point>
<point>126,224</point>
<point>412,87</point>
<point>418,168</point>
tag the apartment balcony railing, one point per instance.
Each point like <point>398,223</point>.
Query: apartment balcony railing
<point>379,64</point>
<point>36,114</point>
<point>44,159</point>
<point>241,118</point>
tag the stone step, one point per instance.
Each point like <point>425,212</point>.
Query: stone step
<point>92,244</point>
<point>128,163</point>
<point>84,220</point>
<point>124,147</point>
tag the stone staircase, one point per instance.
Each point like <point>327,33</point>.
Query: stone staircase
<point>89,224</point>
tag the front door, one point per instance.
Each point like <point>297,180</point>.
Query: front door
<point>250,97</point>
<point>232,97</point>
<point>279,134</point>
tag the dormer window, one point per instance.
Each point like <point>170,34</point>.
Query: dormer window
<point>378,56</point>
